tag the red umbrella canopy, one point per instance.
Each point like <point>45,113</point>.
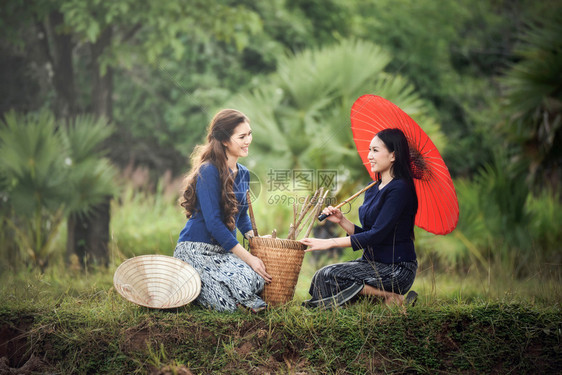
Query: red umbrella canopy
<point>438,208</point>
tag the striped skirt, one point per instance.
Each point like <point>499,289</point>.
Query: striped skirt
<point>226,280</point>
<point>336,284</point>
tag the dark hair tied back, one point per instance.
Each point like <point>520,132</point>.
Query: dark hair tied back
<point>395,141</point>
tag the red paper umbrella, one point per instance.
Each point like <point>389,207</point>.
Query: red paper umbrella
<point>438,210</point>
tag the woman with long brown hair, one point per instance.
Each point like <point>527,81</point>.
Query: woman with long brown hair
<point>214,200</point>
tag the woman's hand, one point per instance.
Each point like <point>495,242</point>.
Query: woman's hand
<point>251,260</point>
<point>334,214</point>
<point>317,243</point>
<point>258,266</point>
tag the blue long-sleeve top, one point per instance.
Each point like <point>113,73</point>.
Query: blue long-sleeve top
<point>387,218</point>
<point>206,224</point>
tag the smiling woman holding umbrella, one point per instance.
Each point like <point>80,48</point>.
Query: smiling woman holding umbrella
<point>413,187</point>
<point>388,266</point>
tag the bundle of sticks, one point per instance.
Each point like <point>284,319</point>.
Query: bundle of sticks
<point>309,210</point>
<point>303,218</point>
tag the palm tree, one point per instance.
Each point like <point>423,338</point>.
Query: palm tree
<point>48,172</point>
<point>300,114</point>
<point>533,93</point>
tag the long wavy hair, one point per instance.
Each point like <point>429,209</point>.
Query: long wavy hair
<point>220,130</point>
<point>395,141</point>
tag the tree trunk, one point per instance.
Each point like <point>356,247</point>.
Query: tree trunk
<point>57,50</point>
<point>88,236</point>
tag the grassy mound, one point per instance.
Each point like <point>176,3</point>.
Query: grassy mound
<point>86,327</point>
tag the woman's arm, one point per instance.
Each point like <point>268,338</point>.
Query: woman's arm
<point>324,244</point>
<point>348,226</point>
<point>208,192</point>
<point>396,199</point>
<point>336,216</point>
<point>252,260</point>
<point>244,223</point>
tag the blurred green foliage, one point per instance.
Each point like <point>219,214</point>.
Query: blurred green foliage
<point>48,171</point>
<point>144,223</point>
<point>533,97</point>
<point>481,78</point>
<point>301,112</point>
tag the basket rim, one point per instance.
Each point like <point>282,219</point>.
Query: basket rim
<point>275,242</point>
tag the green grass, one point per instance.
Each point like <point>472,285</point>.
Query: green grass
<point>473,316</point>
<point>145,223</point>
<point>543,288</point>
<point>76,323</point>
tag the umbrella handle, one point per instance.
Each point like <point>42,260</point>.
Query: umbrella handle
<point>323,216</point>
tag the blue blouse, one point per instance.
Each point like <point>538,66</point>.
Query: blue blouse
<point>387,218</point>
<point>206,224</point>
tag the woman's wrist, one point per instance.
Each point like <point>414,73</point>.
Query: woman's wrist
<point>241,253</point>
<point>340,242</point>
<point>347,226</point>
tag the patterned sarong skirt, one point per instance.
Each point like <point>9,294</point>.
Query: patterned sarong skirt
<point>226,280</point>
<point>337,284</point>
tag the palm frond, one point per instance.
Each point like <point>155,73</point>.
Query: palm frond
<point>300,115</point>
<point>48,171</point>
<point>534,85</point>
<point>84,135</point>
<point>32,161</point>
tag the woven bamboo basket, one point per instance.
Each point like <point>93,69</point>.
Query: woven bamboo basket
<point>283,261</point>
<point>157,281</point>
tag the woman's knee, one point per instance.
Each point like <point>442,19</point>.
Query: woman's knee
<point>322,274</point>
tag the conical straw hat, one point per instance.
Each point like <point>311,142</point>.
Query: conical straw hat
<point>157,281</point>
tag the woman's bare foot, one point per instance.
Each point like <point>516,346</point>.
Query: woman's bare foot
<point>389,298</point>
<point>394,299</point>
